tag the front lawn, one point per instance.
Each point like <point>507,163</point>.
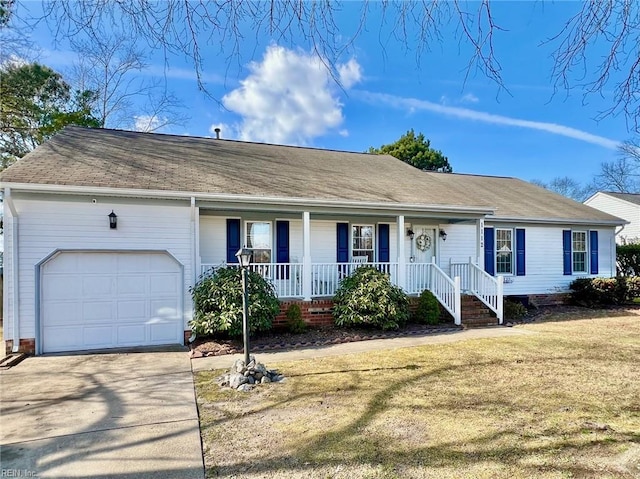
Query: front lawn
<point>564,402</point>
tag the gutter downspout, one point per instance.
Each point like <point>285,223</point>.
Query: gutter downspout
<point>8,200</point>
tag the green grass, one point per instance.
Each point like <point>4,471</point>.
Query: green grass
<point>558,404</point>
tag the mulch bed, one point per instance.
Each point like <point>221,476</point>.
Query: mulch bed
<point>280,340</point>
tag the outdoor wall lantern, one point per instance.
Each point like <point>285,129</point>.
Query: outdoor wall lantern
<point>113,220</point>
<point>410,233</point>
<point>443,235</point>
<point>244,258</point>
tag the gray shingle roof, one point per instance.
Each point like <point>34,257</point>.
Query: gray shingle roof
<point>132,160</point>
<point>630,197</point>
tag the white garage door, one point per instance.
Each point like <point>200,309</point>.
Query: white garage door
<point>92,300</point>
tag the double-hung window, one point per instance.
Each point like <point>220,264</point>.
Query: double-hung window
<point>362,241</point>
<point>258,240</point>
<point>579,251</point>
<point>504,251</point>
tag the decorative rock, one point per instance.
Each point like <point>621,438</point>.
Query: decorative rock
<point>236,380</point>
<point>251,379</point>
<point>265,379</point>
<point>245,388</point>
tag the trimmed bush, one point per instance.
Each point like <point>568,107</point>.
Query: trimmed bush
<point>592,292</point>
<point>628,259</point>
<point>633,287</point>
<point>367,298</point>
<point>295,323</point>
<point>513,309</point>
<point>428,311</point>
<point>218,303</point>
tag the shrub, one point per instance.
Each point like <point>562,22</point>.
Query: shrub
<point>513,309</point>
<point>428,311</point>
<point>367,298</point>
<point>633,287</point>
<point>628,259</point>
<point>218,303</point>
<point>592,292</point>
<point>295,323</point>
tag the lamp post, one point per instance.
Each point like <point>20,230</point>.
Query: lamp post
<point>244,258</point>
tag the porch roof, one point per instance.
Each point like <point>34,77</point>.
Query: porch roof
<point>93,159</point>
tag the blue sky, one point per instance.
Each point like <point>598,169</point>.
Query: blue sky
<point>279,93</point>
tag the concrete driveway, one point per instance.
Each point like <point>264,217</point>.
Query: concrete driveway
<point>100,416</point>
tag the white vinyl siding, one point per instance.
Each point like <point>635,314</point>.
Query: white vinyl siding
<point>75,223</point>
<point>622,209</point>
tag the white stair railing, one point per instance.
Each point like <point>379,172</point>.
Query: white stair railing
<point>487,289</point>
<point>326,277</point>
<point>461,269</point>
<point>446,290</point>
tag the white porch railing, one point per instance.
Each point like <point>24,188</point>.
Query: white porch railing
<point>487,289</point>
<point>286,277</point>
<point>460,269</point>
<point>326,277</point>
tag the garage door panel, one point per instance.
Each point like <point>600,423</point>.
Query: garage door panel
<point>97,286</point>
<point>161,332</point>
<point>62,313</point>
<point>94,300</point>
<point>163,284</point>
<point>133,284</point>
<point>132,310</point>
<point>64,339</point>
<point>93,311</point>
<point>97,337</point>
<point>131,334</point>
<point>62,287</point>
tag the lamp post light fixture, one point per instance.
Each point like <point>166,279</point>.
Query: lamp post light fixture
<point>113,220</point>
<point>244,258</point>
<point>443,235</point>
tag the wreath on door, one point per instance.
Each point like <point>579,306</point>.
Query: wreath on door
<point>423,242</point>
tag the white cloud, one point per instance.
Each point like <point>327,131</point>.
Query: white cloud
<point>148,123</point>
<point>350,73</point>
<point>344,133</point>
<point>289,98</point>
<point>469,98</point>
<point>468,114</point>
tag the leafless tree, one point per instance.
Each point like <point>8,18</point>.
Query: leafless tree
<point>14,36</point>
<point>568,187</point>
<point>179,26</point>
<point>114,69</point>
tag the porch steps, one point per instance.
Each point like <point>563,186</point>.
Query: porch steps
<point>475,314</point>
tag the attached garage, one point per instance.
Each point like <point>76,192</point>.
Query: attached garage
<point>108,299</point>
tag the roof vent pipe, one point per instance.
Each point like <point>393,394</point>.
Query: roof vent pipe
<point>217,130</point>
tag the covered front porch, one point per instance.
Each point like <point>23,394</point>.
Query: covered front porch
<point>307,254</point>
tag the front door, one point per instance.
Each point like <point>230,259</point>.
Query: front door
<point>422,249</point>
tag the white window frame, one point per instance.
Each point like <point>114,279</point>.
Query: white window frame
<point>359,251</point>
<point>246,239</point>
<point>585,252</point>
<point>512,263</point>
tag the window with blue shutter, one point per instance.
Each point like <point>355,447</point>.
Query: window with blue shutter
<point>566,252</point>
<point>593,251</point>
<point>520,252</point>
<point>489,251</point>
<point>282,249</point>
<point>233,239</point>
<point>383,243</point>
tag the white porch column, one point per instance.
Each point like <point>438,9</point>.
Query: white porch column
<point>402,261</point>
<point>306,255</point>
<point>480,242</point>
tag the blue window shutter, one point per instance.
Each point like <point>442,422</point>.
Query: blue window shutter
<point>593,250</point>
<point>383,243</point>
<point>342,253</point>
<point>566,252</point>
<point>489,251</point>
<point>282,248</point>
<point>233,239</point>
<point>520,252</point>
